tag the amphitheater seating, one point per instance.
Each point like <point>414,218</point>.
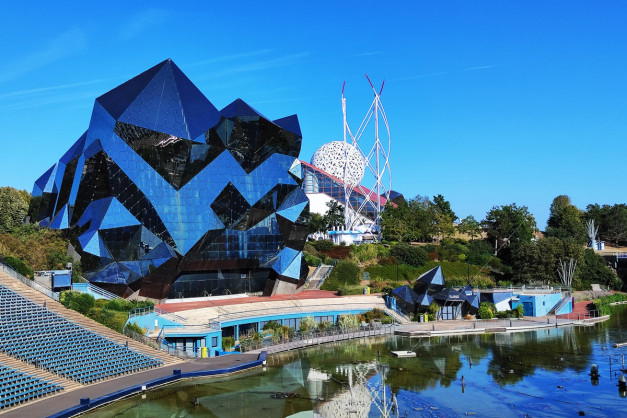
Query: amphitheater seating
<point>38,336</point>
<point>17,387</point>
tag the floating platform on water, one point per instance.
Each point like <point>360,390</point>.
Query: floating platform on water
<point>402,354</point>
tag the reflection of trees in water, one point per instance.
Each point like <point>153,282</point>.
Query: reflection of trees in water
<point>517,355</point>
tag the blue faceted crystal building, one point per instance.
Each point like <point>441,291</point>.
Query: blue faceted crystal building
<point>166,196</point>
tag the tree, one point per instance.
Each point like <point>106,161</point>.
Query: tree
<point>470,226</point>
<point>335,215</point>
<point>411,221</point>
<point>594,269</point>
<point>317,223</point>
<point>443,206</point>
<point>408,254</point>
<point>612,221</point>
<point>13,208</point>
<point>616,224</point>
<point>423,215</point>
<point>396,222</point>
<point>565,221</point>
<point>539,261</point>
<point>509,224</point>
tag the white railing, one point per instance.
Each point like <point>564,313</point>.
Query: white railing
<point>94,289</point>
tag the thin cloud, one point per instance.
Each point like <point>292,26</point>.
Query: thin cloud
<point>366,54</point>
<point>231,57</point>
<point>45,90</point>
<point>67,44</point>
<point>413,77</point>
<point>141,22</point>
<point>48,100</point>
<point>281,61</point>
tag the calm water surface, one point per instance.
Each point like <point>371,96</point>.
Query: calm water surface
<point>540,373</point>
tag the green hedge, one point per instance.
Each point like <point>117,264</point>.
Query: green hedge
<point>409,254</point>
<point>345,273</point>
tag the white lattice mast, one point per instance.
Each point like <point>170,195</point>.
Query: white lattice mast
<point>377,159</point>
<point>348,223</point>
<point>592,232</point>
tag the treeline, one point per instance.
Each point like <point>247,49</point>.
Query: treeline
<point>29,248</point>
<point>520,253</point>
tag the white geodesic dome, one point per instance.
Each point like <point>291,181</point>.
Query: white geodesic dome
<point>333,156</point>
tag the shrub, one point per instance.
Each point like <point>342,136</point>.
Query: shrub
<point>337,253</point>
<point>109,318</point>
<point>388,261</point>
<point>409,254</point>
<point>485,311</point>
<point>135,328</point>
<point>433,309</point>
<point>388,273</point>
<point>307,323</point>
<point>228,343</point>
<point>79,302</point>
<point>519,311</point>
<point>603,304</point>
<point>348,322</point>
<point>322,245</point>
<point>312,260</point>
<point>19,266</point>
<point>323,325</point>
<point>375,314</point>
<point>271,325</point>
<point>345,273</point>
<point>364,253</point>
<point>350,290</point>
<point>310,249</point>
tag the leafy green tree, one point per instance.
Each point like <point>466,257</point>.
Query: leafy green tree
<point>423,215</point>
<point>335,215</point>
<point>539,261</point>
<point>612,221</point>
<point>443,207</point>
<point>470,226</point>
<point>509,224</point>
<point>13,208</point>
<point>593,269</point>
<point>396,222</point>
<point>615,228</point>
<point>565,221</point>
<point>317,223</point>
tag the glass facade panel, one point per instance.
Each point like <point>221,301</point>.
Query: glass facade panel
<point>166,195</point>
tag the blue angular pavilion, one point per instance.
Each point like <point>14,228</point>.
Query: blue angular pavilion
<point>166,196</point>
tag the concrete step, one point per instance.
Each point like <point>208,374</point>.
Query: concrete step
<point>40,373</point>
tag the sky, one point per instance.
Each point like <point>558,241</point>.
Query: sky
<point>488,102</point>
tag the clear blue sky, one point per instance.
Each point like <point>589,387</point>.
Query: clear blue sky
<point>489,102</point>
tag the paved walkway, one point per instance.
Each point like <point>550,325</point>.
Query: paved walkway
<point>425,329</point>
<point>54,404</point>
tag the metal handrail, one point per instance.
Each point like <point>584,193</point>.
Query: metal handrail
<point>159,345</point>
<point>99,291</point>
<point>336,331</point>
<point>150,309</point>
<point>38,287</point>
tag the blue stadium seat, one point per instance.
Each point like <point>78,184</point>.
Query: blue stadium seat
<point>38,336</point>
